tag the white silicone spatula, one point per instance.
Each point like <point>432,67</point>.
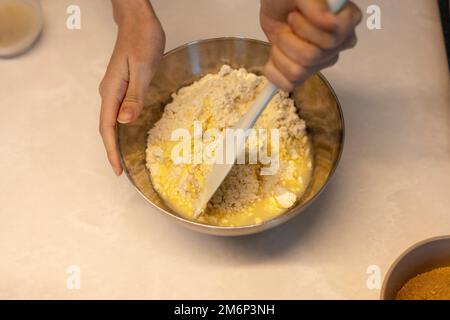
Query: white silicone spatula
<point>219,171</point>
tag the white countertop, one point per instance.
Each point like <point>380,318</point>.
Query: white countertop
<point>61,205</point>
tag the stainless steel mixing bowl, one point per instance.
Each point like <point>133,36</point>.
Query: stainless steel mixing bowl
<point>315,100</point>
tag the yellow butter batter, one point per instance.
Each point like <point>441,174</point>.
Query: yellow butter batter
<point>247,196</point>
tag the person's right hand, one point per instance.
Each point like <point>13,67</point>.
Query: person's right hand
<point>138,50</point>
<point>306,37</point>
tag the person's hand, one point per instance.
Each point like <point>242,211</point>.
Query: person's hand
<point>138,50</point>
<point>306,37</point>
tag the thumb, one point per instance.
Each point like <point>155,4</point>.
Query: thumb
<point>133,102</point>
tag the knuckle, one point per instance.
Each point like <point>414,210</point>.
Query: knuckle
<point>103,128</point>
<point>310,57</point>
<point>329,42</point>
<point>131,99</point>
<point>351,42</point>
<point>296,22</point>
<point>281,39</point>
<point>101,87</point>
<point>288,86</point>
<point>295,73</point>
<point>356,14</point>
<point>334,60</point>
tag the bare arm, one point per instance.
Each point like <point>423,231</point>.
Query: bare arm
<point>138,50</point>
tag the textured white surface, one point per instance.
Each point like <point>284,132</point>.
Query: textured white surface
<point>61,204</point>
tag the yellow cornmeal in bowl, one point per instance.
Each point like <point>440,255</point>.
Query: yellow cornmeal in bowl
<point>431,285</point>
<point>246,197</point>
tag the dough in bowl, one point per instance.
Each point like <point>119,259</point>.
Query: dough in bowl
<point>253,192</point>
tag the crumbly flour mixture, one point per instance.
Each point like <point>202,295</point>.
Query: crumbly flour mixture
<point>246,197</point>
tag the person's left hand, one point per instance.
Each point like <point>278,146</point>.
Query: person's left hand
<point>306,37</point>
<point>138,50</point>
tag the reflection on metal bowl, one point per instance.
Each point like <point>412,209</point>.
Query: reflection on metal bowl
<point>316,102</point>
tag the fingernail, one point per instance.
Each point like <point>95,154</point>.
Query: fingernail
<point>126,114</point>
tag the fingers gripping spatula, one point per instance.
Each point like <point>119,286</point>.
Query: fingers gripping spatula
<point>219,171</point>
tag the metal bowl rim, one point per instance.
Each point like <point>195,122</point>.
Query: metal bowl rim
<point>289,214</point>
<point>407,251</point>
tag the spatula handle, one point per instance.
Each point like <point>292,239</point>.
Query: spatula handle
<point>336,5</point>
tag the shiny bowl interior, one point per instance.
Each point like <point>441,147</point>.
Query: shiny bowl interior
<point>315,100</point>
<point>421,257</point>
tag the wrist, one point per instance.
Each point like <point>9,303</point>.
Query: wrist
<point>133,12</point>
